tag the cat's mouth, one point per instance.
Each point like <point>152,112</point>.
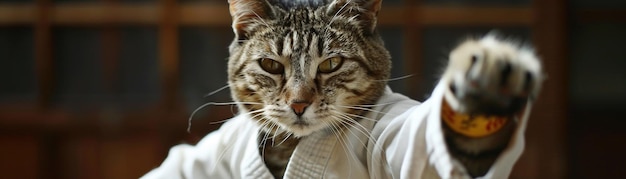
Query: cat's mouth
<point>301,126</point>
<point>300,122</point>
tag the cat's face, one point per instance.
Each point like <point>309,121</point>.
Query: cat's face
<point>302,68</point>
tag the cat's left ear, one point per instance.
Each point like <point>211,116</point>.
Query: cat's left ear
<point>367,9</point>
<point>248,14</point>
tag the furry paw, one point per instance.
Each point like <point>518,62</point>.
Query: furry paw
<point>490,79</point>
<point>493,76</point>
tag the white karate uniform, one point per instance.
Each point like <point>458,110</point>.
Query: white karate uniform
<point>406,142</point>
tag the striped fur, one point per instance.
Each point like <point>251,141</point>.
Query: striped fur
<point>300,35</point>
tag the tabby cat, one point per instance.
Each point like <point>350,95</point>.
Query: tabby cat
<point>303,62</point>
<point>300,67</point>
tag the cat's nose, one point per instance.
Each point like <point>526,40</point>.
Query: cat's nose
<point>299,107</point>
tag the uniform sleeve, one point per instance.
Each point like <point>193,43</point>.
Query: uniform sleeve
<point>207,159</point>
<point>414,145</point>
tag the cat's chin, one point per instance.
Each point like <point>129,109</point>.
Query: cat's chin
<point>302,129</point>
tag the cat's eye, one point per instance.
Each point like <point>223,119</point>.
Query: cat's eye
<point>330,65</point>
<point>271,66</point>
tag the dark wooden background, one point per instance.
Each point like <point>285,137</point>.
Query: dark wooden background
<point>103,88</point>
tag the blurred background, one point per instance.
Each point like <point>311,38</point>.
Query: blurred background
<point>103,88</point>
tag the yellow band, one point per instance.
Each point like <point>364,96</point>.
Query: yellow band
<point>471,125</point>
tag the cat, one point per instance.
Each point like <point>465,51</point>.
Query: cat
<point>310,73</point>
<point>304,61</point>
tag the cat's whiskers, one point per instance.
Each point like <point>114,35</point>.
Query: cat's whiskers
<point>358,116</point>
<point>347,114</point>
<point>337,13</point>
<point>375,105</point>
<point>351,123</point>
<point>261,19</point>
<point>248,4</point>
<point>216,91</point>
<point>263,142</point>
<point>353,18</point>
<point>271,130</point>
<point>396,79</point>
<point>212,103</point>
<point>336,130</point>
<point>286,137</point>
<point>230,145</point>
<point>363,108</point>
<point>348,125</point>
<point>347,121</point>
<point>222,154</point>
<point>278,131</point>
<point>262,146</point>
<point>248,113</point>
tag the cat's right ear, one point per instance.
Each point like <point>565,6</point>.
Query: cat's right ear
<point>247,14</point>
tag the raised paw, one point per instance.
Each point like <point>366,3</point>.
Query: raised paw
<point>490,82</point>
<point>493,76</point>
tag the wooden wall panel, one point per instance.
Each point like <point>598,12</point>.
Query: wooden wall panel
<point>20,156</point>
<point>545,155</point>
<point>82,157</point>
<point>129,156</point>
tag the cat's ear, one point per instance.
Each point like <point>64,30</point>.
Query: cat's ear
<point>248,14</point>
<point>367,9</point>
